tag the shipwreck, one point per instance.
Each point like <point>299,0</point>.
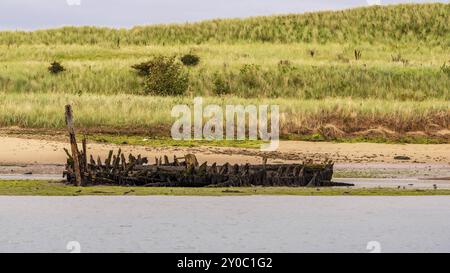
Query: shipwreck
<point>130,170</point>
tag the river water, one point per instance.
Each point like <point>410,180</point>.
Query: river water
<point>225,224</point>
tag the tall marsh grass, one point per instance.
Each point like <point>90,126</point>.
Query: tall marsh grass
<point>44,110</point>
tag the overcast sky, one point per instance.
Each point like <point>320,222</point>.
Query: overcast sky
<point>38,14</point>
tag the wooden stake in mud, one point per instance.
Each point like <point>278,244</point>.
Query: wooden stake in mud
<point>73,145</point>
<point>85,164</point>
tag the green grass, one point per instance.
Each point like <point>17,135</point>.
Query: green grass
<point>261,60</point>
<point>370,139</point>
<point>168,142</point>
<point>248,65</point>
<point>142,140</point>
<point>250,71</point>
<point>45,188</point>
<point>143,114</point>
<point>426,23</point>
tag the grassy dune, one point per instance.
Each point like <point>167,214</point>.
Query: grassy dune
<point>401,82</point>
<point>427,23</point>
<point>251,70</point>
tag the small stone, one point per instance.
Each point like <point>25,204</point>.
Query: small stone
<point>402,157</point>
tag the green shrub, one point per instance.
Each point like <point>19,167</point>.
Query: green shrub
<point>221,86</point>
<point>165,77</point>
<point>250,76</point>
<point>190,60</point>
<point>56,68</point>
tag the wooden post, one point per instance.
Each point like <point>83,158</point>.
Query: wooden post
<point>73,145</point>
<point>85,164</point>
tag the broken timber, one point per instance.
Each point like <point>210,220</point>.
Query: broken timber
<point>75,158</point>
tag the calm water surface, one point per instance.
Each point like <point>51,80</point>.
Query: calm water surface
<point>225,224</point>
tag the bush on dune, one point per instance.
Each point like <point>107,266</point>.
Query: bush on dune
<point>164,76</point>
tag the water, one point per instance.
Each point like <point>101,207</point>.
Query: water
<point>225,224</point>
<point>31,177</point>
<point>403,183</point>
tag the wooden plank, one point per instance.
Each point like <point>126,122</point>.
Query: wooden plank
<point>73,144</point>
<point>84,153</point>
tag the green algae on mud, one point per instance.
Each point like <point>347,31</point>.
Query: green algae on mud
<point>53,188</point>
<point>402,139</point>
<point>253,144</point>
<point>166,141</point>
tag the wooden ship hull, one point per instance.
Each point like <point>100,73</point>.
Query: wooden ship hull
<point>186,172</point>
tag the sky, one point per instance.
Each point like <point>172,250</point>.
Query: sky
<point>41,14</point>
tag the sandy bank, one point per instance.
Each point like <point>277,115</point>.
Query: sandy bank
<point>39,155</point>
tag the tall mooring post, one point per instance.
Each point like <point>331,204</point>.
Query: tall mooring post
<point>73,145</point>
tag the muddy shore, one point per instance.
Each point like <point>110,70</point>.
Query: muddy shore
<point>37,155</point>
